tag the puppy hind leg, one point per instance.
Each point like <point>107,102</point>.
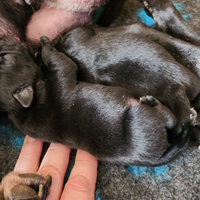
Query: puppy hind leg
<point>151,101</point>
<point>170,20</point>
<point>177,145</point>
<point>165,115</point>
<point>186,120</point>
<point>169,118</point>
<point>186,116</point>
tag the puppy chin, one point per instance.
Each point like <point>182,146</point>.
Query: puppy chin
<point>52,22</point>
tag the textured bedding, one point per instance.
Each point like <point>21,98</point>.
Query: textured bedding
<point>178,180</point>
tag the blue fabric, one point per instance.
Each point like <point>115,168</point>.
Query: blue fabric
<point>145,18</point>
<point>10,134</point>
<point>149,21</point>
<point>97,194</point>
<point>161,172</point>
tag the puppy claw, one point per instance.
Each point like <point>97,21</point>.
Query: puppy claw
<point>41,192</point>
<point>193,116</point>
<point>149,100</point>
<point>43,189</point>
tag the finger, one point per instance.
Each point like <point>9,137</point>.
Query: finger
<point>81,183</point>
<point>29,157</point>
<point>55,163</point>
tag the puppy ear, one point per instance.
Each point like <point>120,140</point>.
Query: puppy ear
<point>24,95</point>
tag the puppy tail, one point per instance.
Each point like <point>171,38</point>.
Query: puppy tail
<point>178,145</point>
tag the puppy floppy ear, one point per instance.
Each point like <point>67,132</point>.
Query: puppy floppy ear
<point>24,95</point>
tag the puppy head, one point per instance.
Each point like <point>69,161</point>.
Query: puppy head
<point>18,74</point>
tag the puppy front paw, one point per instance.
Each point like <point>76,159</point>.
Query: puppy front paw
<point>149,100</point>
<point>27,186</point>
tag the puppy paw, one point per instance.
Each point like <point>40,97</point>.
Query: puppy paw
<point>24,186</point>
<point>185,126</point>
<point>195,136</point>
<point>193,117</point>
<point>149,100</point>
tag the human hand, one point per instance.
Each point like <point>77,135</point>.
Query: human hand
<point>81,183</point>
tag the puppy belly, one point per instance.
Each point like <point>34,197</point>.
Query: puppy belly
<point>75,5</point>
<point>51,22</point>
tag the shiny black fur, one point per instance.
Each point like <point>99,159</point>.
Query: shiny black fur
<point>169,20</point>
<point>142,42</point>
<point>103,120</point>
<point>48,103</point>
<point>130,57</point>
<point>122,61</point>
<point>51,105</point>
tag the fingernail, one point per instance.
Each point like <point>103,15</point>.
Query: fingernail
<point>29,139</point>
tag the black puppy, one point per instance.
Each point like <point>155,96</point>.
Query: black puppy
<point>24,95</point>
<point>168,20</point>
<point>103,120</point>
<point>123,57</point>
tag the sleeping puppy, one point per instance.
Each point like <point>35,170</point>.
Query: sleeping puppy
<point>106,121</point>
<point>123,57</point>
<point>22,99</point>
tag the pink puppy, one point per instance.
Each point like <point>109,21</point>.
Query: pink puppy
<point>57,16</point>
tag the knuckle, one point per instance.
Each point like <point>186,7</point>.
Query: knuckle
<point>52,170</point>
<point>79,183</point>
